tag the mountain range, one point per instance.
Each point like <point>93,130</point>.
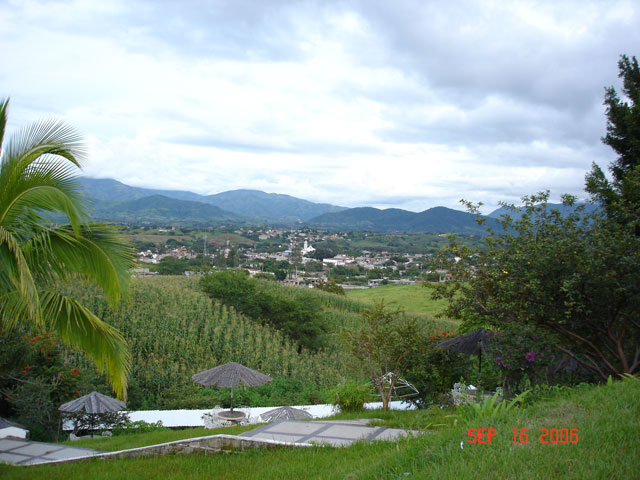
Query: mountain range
<point>114,201</point>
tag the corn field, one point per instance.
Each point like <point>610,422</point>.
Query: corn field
<point>174,331</point>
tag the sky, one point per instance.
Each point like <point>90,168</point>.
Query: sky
<point>405,104</point>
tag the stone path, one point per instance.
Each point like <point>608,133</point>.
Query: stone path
<point>24,452</point>
<point>333,432</point>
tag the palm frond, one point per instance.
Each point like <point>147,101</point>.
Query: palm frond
<point>98,254</point>
<point>16,277</point>
<point>79,327</point>
<point>4,106</point>
<point>46,137</point>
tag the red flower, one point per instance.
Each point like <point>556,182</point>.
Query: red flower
<point>75,372</point>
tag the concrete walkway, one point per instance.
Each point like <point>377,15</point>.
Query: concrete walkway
<point>23,452</point>
<point>333,432</point>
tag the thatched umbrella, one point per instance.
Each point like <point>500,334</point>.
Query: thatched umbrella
<point>471,344</point>
<point>285,413</point>
<point>94,404</point>
<point>230,375</point>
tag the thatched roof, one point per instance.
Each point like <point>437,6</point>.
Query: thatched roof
<point>230,375</point>
<point>93,402</point>
<point>285,413</point>
<point>471,343</point>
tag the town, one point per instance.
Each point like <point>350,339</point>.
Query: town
<point>305,257</point>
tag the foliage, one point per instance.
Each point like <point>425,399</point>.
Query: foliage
<point>521,350</point>
<point>489,407</point>
<point>351,396</point>
<point>574,277</point>
<point>385,343</point>
<point>37,178</point>
<point>137,427</point>
<point>621,195</point>
<point>331,287</point>
<point>434,370</point>
<point>37,375</point>
<point>171,266</point>
<point>296,316</point>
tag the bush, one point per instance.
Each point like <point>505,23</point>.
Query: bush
<point>351,396</point>
<point>139,426</point>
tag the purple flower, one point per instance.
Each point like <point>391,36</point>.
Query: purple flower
<point>530,356</point>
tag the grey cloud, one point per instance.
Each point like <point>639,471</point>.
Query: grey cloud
<point>298,146</point>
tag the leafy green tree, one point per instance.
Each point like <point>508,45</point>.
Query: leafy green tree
<point>171,266</point>
<point>37,178</point>
<point>575,277</point>
<point>331,286</point>
<point>385,344</point>
<point>297,315</point>
<point>621,195</point>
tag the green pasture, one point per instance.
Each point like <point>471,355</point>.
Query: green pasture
<point>414,298</point>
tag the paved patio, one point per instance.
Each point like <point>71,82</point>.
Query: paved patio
<point>333,432</point>
<point>24,452</point>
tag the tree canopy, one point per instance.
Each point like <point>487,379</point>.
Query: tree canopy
<point>576,277</point>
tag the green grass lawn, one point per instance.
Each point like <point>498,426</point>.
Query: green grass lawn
<point>608,447</point>
<point>414,298</point>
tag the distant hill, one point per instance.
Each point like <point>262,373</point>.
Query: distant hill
<point>433,220</point>
<point>109,190</point>
<point>158,209</point>
<point>272,206</point>
<point>265,207</point>
<point>589,208</point>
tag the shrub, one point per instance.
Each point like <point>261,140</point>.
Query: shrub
<point>351,396</point>
<point>139,426</point>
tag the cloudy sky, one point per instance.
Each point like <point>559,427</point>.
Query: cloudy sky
<point>405,103</point>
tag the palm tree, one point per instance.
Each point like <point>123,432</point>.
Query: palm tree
<point>37,181</point>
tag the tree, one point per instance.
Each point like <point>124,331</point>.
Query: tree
<point>621,195</point>
<point>575,277</point>
<point>37,177</point>
<point>172,266</point>
<point>385,344</point>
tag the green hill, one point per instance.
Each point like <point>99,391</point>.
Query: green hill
<point>272,206</point>
<point>158,209</point>
<point>434,220</point>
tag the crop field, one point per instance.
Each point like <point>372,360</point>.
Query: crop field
<point>175,330</point>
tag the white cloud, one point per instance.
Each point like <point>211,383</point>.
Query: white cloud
<point>408,104</point>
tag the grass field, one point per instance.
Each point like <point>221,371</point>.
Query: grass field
<point>414,298</point>
<point>606,418</point>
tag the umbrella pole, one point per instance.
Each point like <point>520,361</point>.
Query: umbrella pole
<point>232,399</point>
